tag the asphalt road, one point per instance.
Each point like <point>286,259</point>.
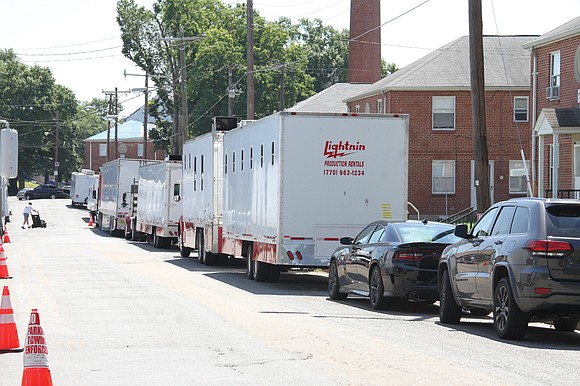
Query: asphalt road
<point>124,313</point>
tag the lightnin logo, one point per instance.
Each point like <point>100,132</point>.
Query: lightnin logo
<point>341,149</point>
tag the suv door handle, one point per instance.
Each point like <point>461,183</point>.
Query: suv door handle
<point>498,242</point>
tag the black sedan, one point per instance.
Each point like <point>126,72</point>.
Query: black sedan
<point>390,260</point>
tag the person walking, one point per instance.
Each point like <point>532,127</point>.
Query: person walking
<point>28,209</point>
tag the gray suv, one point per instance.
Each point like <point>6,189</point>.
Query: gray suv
<point>520,261</point>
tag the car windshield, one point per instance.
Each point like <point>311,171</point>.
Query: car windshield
<point>563,220</point>
<point>419,232</point>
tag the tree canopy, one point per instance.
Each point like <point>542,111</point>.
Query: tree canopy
<point>36,106</point>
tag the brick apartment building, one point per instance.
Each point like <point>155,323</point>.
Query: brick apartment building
<point>436,93</point>
<point>555,64</point>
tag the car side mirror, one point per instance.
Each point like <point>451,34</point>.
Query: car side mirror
<point>346,240</point>
<point>461,231</point>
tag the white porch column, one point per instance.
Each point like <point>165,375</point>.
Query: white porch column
<point>555,164</point>
<point>541,159</point>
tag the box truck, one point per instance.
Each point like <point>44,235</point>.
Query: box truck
<point>116,180</point>
<point>282,190</point>
<point>158,202</point>
<point>82,185</point>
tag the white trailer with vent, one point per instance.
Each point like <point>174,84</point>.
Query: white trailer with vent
<point>201,223</point>
<point>114,204</point>
<point>82,185</point>
<point>294,183</point>
<point>159,203</point>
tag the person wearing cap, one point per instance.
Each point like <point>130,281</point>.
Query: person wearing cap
<point>26,213</point>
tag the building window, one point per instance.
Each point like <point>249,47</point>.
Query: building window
<point>140,149</point>
<point>555,69</point>
<point>379,106</point>
<point>357,109</point>
<point>443,175</point>
<point>444,113</point>
<point>367,108</point>
<point>520,109</point>
<point>518,182</point>
<point>102,149</point>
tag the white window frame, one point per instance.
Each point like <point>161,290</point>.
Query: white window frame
<point>379,106</point>
<point>518,171</point>
<point>519,109</point>
<point>140,150</point>
<point>442,105</point>
<point>102,149</point>
<point>555,69</point>
<point>357,109</point>
<point>440,170</point>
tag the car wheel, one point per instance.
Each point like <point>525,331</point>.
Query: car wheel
<point>52,196</point>
<point>377,290</point>
<point>509,320</point>
<point>250,263</point>
<point>565,324</point>
<point>28,197</point>
<point>333,283</point>
<point>449,310</point>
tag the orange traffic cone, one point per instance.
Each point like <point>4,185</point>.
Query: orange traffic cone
<point>4,269</point>
<point>36,371</point>
<point>2,251</point>
<point>8,332</point>
<point>91,220</point>
<point>6,237</point>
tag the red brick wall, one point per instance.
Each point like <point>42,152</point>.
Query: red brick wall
<point>569,86</point>
<point>97,161</point>
<point>364,48</point>
<point>426,144</point>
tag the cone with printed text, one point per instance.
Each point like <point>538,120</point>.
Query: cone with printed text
<point>8,332</point>
<point>36,371</point>
<point>6,237</point>
<point>91,220</point>
<point>4,268</point>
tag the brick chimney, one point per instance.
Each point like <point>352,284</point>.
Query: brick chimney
<point>364,49</point>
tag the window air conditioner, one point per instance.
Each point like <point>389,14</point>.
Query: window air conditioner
<point>553,93</point>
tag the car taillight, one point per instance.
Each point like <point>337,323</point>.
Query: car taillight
<point>407,256</point>
<point>548,248</point>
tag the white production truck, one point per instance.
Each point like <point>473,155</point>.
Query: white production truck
<point>158,202</point>
<point>116,180</point>
<point>82,185</point>
<point>293,184</point>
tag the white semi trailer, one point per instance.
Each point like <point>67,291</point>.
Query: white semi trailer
<point>282,190</point>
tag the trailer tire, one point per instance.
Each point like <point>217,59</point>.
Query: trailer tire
<point>250,263</point>
<point>184,251</point>
<point>200,248</point>
<point>260,270</point>
<point>209,259</point>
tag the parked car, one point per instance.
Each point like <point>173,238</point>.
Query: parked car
<point>520,261</point>
<point>390,260</point>
<point>45,191</point>
<point>21,194</point>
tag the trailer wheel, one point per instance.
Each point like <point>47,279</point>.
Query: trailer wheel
<point>260,270</point>
<point>184,251</point>
<point>250,263</point>
<point>200,248</point>
<point>274,274</point>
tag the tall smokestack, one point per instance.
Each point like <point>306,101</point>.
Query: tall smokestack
<point>364,52</point>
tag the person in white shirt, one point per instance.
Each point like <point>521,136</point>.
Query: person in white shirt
<point>28,209</point>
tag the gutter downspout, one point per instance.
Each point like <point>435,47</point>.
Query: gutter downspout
<point>535,184</point>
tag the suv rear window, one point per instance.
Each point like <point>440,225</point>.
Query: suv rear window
<point>563,220</point>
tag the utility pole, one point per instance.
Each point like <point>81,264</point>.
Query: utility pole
<point>116,124</point>
<point>282,68</point>
<point>145,116</point>
<point>56,163</point>
<point>230,98</point>
<point>482,184</point>
<point>250,59</point>
<point>116,117</point>
<point>179,136</point>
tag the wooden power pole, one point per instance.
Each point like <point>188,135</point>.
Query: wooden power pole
<point>250,60</point>
<point>482,185</point>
